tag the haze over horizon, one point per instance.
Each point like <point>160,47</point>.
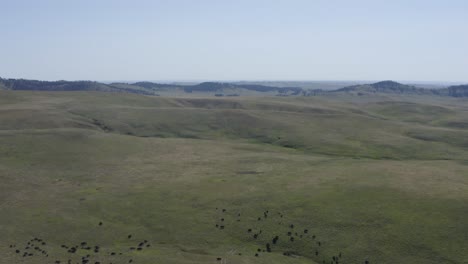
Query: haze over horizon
<point>242,40</point>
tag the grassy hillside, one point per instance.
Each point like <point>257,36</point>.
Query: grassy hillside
<point>382,179</point>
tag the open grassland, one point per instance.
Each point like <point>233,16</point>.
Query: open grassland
<point>382,179</point>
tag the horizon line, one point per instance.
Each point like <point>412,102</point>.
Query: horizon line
<point>246,80</point>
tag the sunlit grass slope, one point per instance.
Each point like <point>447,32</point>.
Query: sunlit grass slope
<point>378,179</point>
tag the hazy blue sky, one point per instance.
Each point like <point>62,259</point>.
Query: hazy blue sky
<point>233,40</point>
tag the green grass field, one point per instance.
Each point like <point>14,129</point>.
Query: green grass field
<point>376,178</point>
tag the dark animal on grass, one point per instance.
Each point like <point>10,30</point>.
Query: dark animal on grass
<point>275,239</point>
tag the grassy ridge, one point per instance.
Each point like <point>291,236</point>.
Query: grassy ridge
<point>358,176</point>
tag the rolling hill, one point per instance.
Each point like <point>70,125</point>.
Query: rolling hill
<point>123,177</point>
<point>458,91</point>
<point>389,87</point>
<point>148,88</point>
<point>225,89</point>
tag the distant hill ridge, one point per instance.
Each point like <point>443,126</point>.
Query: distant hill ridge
<point>148,88</point>
<point>391,87</point>
<point>34,85</point>
<point>458,90</point>
<point>225,88</point>
<point>216,86</point>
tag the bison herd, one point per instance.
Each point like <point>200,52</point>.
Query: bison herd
<point>77,253</point>
<point>289,233</point>
<point>282,239</point>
